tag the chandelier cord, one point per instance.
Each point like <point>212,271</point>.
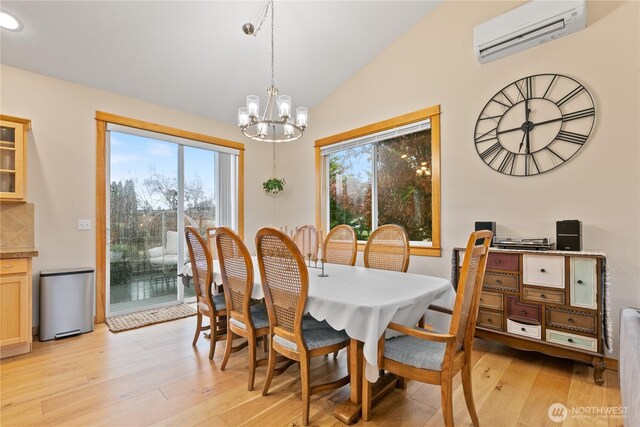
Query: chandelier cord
<point>274,159</point>
<point>272,44</point>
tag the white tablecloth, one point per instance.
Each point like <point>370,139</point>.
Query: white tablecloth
<point>363,301</point>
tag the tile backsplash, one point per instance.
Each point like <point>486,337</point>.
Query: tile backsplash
<point>16,226</point>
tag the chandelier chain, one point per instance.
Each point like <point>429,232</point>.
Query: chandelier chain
<point>272,44</point>
<point>264,17</point>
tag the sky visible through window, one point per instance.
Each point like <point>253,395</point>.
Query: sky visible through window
<point>135,157</point>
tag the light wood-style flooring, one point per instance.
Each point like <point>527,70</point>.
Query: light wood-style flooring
<point>153,376</point>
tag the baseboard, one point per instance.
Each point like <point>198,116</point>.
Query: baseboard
<point>611,364</point>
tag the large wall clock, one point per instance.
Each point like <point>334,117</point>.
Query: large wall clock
<point>534,125</point>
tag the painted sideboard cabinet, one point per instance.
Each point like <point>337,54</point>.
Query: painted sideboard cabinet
<point>551,302</point>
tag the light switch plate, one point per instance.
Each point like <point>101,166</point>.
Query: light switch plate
<point>84,224</point>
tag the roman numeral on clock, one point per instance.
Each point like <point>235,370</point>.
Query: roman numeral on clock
<point>491,151</point>
<point>568,97</point>
<point>587,112</point>
<point>572,137</point>
<point>507,164</point>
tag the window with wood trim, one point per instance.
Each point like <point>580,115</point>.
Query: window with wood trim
<point>384,173</point>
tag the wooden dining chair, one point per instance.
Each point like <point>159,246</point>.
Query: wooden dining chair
<point>307,239</point>
<point>435,358</point>
<point>244,319</point>
<point>285,281</point>
<point>210,233</point>
<point>209,305</point>
<point>340,246</point>
<point>387,249</point>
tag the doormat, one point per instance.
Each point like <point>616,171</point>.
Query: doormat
<point>125,322</point>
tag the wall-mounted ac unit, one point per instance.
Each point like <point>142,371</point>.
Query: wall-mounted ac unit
<point>526,26</point>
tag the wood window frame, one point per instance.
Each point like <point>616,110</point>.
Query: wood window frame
<point>102,119</point>
<point>432,113</point>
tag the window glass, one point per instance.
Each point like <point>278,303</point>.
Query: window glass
<point>404,183</point>
<point>350,189</point>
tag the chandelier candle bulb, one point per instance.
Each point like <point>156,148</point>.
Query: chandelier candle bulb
<point>262,129</point>
<point>284,102</point>
<point>243,116</point>
<point>301,116</point>
<point>253,105</point>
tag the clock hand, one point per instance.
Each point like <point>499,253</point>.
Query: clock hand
<point>526,126</point>
<point>532,126</point>
<point>521,142</point>
<point>548,121</point>
<point>509,130</point>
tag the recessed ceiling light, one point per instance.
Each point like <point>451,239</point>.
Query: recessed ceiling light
<point>9,21</point>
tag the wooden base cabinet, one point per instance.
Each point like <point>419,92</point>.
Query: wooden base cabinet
<point>549,302</point>
<point>15,306</point>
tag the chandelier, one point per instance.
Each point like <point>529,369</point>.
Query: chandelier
<point>276,124</point>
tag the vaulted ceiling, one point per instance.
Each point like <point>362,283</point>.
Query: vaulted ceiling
<point>193,55</point>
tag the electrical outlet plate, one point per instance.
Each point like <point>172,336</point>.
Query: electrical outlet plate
<point>84,224</point>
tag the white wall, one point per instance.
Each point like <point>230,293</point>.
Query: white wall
<point>62,161</point>
<point>434,63</point>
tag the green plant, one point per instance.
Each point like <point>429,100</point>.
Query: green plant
<point>274,185</point>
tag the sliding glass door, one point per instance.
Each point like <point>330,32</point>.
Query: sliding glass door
<point>199,195</point>
<point>158,186</point>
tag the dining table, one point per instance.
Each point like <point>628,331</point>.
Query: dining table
<point>363,301</point>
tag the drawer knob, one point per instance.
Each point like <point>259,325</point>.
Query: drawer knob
<point>542,270</point>
<point>498,261</point>
<point>570,320</point>
<point>523,312</point>
<point>543,296</point>
<point>523,329</point>
<point>580,282</point>
<point>498,281</point>
<point>570,340</point>
<point>490,320</point>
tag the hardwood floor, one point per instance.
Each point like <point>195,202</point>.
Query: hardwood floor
<point>152,376</point>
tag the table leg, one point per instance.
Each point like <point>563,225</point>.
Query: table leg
<point>349,410</point>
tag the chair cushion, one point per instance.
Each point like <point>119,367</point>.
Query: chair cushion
<point>415,352</point>
<point>259,317</point>
<point>316,334</point>
<point>218,303</point>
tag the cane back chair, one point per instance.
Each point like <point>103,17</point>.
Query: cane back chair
<point>285,281</point>
<point>245,319</point>
<point>435,358</point>
<point>209,305</point>
<point>307,234</point>
<point>387,249</point>
<point>340,246</point>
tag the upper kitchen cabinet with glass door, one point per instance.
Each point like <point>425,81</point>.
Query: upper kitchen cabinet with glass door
<point>13,158</point>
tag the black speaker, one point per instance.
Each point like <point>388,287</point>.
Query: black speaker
<point>485,225</point>
<point>569,235</point>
